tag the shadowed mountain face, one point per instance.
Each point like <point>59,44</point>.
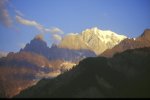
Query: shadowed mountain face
<point>37,46</point>
<point>21,70</point>
<point>124,75</point>
<point>56,53</point>
<point>140,42</point>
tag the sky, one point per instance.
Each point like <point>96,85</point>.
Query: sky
<point>22,20</point>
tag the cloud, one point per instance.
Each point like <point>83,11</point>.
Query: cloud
<point>48,75</point>
<point>19,13</point>
<point>4,15</point>
<point>73,33</point>
<point>57,37</point>
<point>56,30</point>
<point>39,36</point>
<point>38,26</point>
<point>30,23</point>
<point>22,45</point>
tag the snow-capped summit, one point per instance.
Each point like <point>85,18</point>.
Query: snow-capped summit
<point>130,43</point>
<point>94,39</point>
<point>100,40</point>
<point>104,35</point>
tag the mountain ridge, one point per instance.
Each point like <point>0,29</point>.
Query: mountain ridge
<point>93,39</point>
<point>142,41</point>
<point>55,52</point>
<point>99,77</point>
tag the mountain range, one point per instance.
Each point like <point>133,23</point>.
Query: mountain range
<point>92,39</point>
<point>55,52</point>
<point>139,42</point>
<point>36,61</point>
<point>124,75</point>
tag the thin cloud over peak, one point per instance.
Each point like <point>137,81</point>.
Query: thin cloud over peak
<point>21,45</point>
<point>57,37</point>
<point>73,33</point>
<point>56,30</point>
<point>39,36</point>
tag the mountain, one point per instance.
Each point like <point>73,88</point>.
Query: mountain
<point>74,47</point>
<point>139,42</point>
<point>24,69</point>
<point>92,39</point>
<point>73,41</point>
<point>21,70</point>
<point>34,62</point>
<point>124,75</point>
<point>57,53</point>
<point>37,45</point>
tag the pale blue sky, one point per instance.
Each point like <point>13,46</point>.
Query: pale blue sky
<point>128,17</point>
